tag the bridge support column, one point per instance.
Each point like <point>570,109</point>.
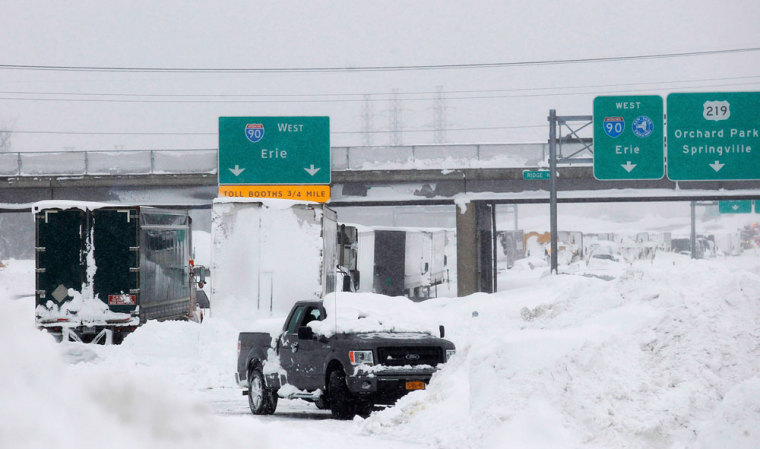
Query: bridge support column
<point>474,249</point>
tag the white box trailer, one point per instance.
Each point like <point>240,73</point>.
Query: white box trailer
<point>268,254</point>
<point>438,257</point>
<point>401,261</point>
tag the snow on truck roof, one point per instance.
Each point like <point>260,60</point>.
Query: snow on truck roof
<point>372,313</point>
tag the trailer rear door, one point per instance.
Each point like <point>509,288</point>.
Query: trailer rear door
<point>116,246</point>
<point>61,235</point>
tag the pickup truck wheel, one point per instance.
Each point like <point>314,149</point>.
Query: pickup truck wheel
<point>364,409</point>
<point>341,403</point>
<point>260,400</point>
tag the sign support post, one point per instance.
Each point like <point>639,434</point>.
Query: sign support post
<point>553,191</point>
<point>693,236</point>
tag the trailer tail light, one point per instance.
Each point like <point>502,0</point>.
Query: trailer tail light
<point>122,300</point>
<point>239,347</point>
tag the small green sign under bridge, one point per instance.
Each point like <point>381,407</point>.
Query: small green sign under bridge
<point>533,175</point>
<point>735,207</point>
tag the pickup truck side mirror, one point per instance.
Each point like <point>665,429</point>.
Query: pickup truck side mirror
<point>305,333</point>
<point>442,331</point>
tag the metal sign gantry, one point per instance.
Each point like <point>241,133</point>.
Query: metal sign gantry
<point>574,124</point>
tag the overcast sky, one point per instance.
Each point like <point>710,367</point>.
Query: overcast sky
<point>512,102</point>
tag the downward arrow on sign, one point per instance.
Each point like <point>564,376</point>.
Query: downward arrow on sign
<point>628,166</point>
<point>237,170</point>
<point>717,166</point>
<point>311,170</point>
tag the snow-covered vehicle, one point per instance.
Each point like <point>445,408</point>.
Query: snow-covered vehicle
<point>266,254</point>
<point>103,270</point>
<point>348,371</point>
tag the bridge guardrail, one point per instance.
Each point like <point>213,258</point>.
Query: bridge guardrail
<point>105,163</point>
<point>204,161</point>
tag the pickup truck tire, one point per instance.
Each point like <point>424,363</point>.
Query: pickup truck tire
<point>260,400</point>
<point>342,404</point>
<point>364,409</point>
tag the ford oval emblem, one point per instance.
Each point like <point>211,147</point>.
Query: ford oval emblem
<point>412,356</point>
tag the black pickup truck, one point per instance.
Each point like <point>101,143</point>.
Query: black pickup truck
<point>346,372</point>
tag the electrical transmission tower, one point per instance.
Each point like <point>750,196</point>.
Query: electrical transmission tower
<point>439,135</point>
<point>367,119</point>
<point>395,120</point>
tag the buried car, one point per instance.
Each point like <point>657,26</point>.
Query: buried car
<point>348,371</point>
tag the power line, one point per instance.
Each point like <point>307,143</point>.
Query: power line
<point>66,68</point>
<point>108,133</point>
<point>348,94</point>
<point>355,100</point>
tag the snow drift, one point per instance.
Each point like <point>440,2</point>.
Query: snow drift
<point>665,356</point>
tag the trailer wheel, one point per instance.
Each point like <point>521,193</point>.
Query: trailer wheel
<point>341,403</point>
<point>260,400</point>
<point>271,403</point>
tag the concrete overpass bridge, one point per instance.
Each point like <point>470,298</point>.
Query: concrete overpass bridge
<point>429,175</point>
<point>413,174</point>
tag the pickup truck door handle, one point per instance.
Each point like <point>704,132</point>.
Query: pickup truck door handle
<point>294,348</point>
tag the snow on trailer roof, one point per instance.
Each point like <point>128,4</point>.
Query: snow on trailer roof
<point>272,203</point>
<point>66,204</point>
<point>366,228</point>
<point>92,205</point>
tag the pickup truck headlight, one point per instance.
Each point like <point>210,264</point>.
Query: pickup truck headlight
<point>450,353</point>
<point>361,357</point>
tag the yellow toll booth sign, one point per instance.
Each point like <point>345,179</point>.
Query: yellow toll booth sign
<point>316,193</point>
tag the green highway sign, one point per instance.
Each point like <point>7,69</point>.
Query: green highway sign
<point>530,175</point>
<point>735,207</point>
<point>274,150</point>
<point>628,137</point>
<point>714,136</point>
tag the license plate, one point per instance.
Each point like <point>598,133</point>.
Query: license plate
<point>415,385</point>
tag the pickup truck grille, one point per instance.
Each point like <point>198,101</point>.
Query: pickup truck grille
<point>410,355</point>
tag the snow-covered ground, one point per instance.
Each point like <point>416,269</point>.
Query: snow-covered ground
<point>666,354</point>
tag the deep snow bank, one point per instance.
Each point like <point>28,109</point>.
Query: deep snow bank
<point>666,355</point>
<point>72,395</point>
